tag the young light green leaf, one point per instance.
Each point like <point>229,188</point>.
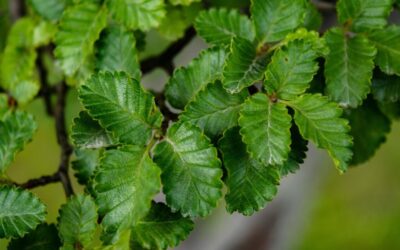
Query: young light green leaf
<point>369,127</point>
<point>16,130</point>
<point>49,9</point>
<point>214,110</point>
<point>274,19</point>
<point>125,183</point>
<point>219,26</point>
<point>388,56</point>
<point>137,14</point>
<point>85,164</point>
<point>79,28</point>
<point>183,2</point>
<point>243,67</point>
<point>348,67</point>
<point>364,15</point>
<point>3,106</point>
<point>87,133</point>
<point>297,154</point>
<point>191,170</point>
<point>44,237</point>
<point>319,121</point>
<point>121,106</point>
<point>44,33</point>
<point>250,183</point>
<point>20,212</point>
<point>188,81</point>
<point>116,51</point>
<point>292,68</point>
<point>18,62</point>
<point>386,88</point>
<point>265,127</point>
<point>77,222</point>
<point>160,229</point>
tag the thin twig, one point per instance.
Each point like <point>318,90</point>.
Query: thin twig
<point>165,59</point>
<point>62,138</point>
<point>45,90</point>
<point>324,6</point>
<point>41,181</point>
<point>167,113</point>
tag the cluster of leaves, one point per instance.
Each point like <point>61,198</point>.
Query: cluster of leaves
<point>248,105</point>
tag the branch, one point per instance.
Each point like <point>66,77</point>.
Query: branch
<point>165,59</point>
<point>17,9</point>
<point>45,90</point>
<point>62,138</point>
<point>324,6</point>
<point>41,181</point>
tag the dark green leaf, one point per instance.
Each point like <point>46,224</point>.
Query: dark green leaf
<point>44,237</point>
<point>386,88</point>
<point>348,67</point>
<point>387,43</point>
<point>369,127</point>
<point>116,51</point>
<point>313,19</point>
<point>49,9</point>
<point>219,26</point>
<point>79,28</point>
<point>160,229</point>
<point>20,212</point>
<point>265,127</point>
<point>137,14</point>
<point>364,15</point>
<point>250,183</point>
<point>121,106</point>
<point>125,183</point>
<point>319,121</point>
<point>77,222</point>
<point>87,133</point>
<point>16,131</point>
<point>85,164</point>
<point>243,66</point>
<point>191,170</point>
<point>186,82</point>
<point>274,19</point>
<point>214,110</point>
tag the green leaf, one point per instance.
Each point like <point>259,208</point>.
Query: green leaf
<point>87,133</point>
<point>79,28</point>
<point>125,183</point>
<point>390,109</point>
<point>297,154</point>
<point>183,2</point>
<point>116,51</point>
<point>313,18</point>
<point>348,67</point>
<point>243,66</point>
<point>265,127</point>
<point>250,183</point>
<point>44,237</point>
<point>20,212</point>
<point>274,19</point>
<point>17,70</point>
<point>319,121</point>
<point>160,229</point>
<point>77,222</point>
<point>388,56</point>
<point>364,15</point>
<point>219,26</point>
<point>16,130</point>
<point>177,20</point>
<point>369,127</point>
<point>191,171</point>
<point>49,9</point>
<point>44,33</point>
<point>121,106</point>
<point>186,82</point>
<point>386,88</point>
<point>3,106</point>
<point>137,14</point>
<point>214,110</point>
<point>85,164</point>
<point>293,67</point>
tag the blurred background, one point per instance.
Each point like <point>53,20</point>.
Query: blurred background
<point>316,208</point>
